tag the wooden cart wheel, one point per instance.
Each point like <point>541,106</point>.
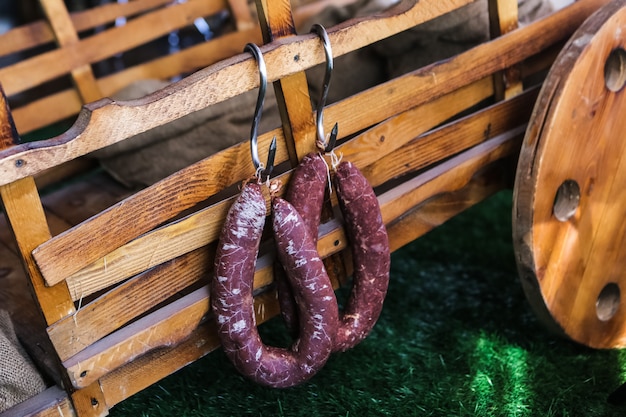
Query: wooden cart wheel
<point>569,216</point>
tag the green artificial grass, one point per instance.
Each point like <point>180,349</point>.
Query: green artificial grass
<point>456,338</point>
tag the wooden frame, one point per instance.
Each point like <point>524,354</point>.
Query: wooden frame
<point>426,162</point>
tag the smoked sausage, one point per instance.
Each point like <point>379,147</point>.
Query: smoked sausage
<point>370,253</point>
<point>306,194</point>
<point>232,300</point>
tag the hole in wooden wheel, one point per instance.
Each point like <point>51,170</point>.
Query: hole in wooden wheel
<point>615,70</point>
<point>608,302</point>
<point>566,200</point>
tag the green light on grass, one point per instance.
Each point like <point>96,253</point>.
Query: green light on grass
<point>501,382</point>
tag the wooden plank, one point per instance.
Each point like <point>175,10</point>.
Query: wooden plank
<point>26,217</point>
<point>39,33</point>
<point>146,370</point>
<point>8,133</point>
<point>108,312</point>
<point>102,45</point>
<point>236,76</point>
<point>56,224</point>
<point>441,208</point>
<point>90,401</point>
<point>452,138</point>
<point>167,326</point>
<point>171,325</point>
<point>449,176</point>
<point>66,35</point>
<point>203,227</point>
<point>38,113</point>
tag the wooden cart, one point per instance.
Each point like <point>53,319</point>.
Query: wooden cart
<point>120,277</point>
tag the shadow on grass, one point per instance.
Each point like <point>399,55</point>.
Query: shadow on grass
<point>456,338</point>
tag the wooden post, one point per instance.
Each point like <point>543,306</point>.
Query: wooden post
<point>503,18</point>
<point>292,92</point>
<point>26,217</point>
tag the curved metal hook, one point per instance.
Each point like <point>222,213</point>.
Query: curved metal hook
<point>321,137</point>
<point>254,146</point>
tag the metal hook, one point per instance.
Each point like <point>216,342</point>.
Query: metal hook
<point>321,137</point>
<point>254,147</point>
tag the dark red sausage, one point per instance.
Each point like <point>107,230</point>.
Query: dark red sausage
<point>306,190</point>
<point>306,194</point>
<point>370,252</point>
<point>232,300</point>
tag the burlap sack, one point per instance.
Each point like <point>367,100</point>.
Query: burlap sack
<point>155,154</point>
<point>448,35</point>
<point>19,379</point>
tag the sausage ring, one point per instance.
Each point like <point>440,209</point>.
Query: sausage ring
<point>232,300</point>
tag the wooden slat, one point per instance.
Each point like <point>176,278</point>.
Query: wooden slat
<point>90,401</point>
<point>39,33</point>
<point>26,218</point>
<point>67,103</point>
<point>66,36</point>
<point>59,259</point>
<point>53,402</point>
<point>292,92</point>
<point>236,76</point>
<point>199,229</point>
<point>172,324</point>
<point>102,45</point>
<point>503,17</point>
<point>206,87</point>
<point>242,14</point>
<point>145,370</point>
<point>64,104</point>
<point>37,114</point>
<point>452,138</point>
<point>106,314</point>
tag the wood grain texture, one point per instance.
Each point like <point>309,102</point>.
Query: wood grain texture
<point>107,313</point>
<point>452,138</point>
<point>570,260</point>
<point>98,124</point>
